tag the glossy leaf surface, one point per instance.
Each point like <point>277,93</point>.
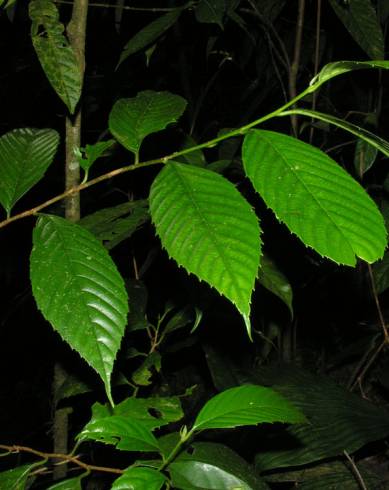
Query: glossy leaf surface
<point>16,478</point>
<point>317,200</point>
<point>131,120</point>
<point>139,479</point>
<point>55,54</point>
<point>79,291</point>
<point>360,19</point>
<point>246,405</point>
<point>207,227</point>
<point>25,155</point>
<point>213,466</point>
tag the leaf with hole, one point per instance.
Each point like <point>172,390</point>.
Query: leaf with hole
<point>208,228</point>
<point>140,478</point>
<point>131,120</point>
<point>79,291</point>
<point>316,199</point>
<point>54,52</point>
<point>246,405</point>
<point>150,33</point>
<point>25,155</point>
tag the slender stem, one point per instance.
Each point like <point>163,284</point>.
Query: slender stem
<point>296,60</point>
<point>355,470</point>
<point>316,66</point>
<point>184,437</point>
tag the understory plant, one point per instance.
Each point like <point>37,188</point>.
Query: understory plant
<point>210,225</point>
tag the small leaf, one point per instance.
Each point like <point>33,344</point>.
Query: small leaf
<point>381,274</point>
<point>364,157</point>
<point>115,224</point>
<point>360,19</point>
<point>55,53</point>
<point>25,155</point>
<point>150,33</point>
<point>139,478</point>
<point>336,68</point>
<point>317,200</point>
<point>92,152</point>
<point>142,375</point>
<point>213,466</point>
<point>131,120</point>
<point>273,280</point>
<point>208,228</point>
<point>78,289</point>
<point>124,433</point>
<point>373,140</point>
<point>211,12</point>
<point>246,405</point>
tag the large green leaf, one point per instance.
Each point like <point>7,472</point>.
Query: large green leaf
<point>124,432</point>
<point>246,405</point>
<point>150,33</point>
<point>317,200</point>
<point>55,54</point>
<point>365,135</point>
<point>25,155</point>
<point>338,420</point>
<point>208,228</point>
<point>115,224</point>
<point>211,11</point>
<point>213,466</point>
<point>131,120</point>
<point>139,479</point>
<point>79,291</point>
<point>16,478</point>
<point>360,19</point>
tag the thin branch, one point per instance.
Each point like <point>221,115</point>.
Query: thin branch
<point>64,457</point>
<point>355,471</point>
<point>377,303</point>
<point>296,60</point>
<point>138,9</point>
<point>316,66</point>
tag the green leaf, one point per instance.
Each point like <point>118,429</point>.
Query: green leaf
<point>338,420</point>
<point>246,405</point>
<point>91,153</point>
<point>55,54</point>
<point>71,484</point>
<point>208,228</point>
<point>131,120</point>
<point>195,157</point>
<point>317,200</point>
<point>381,274</point>
<point>79,291</point>
<point>142,375</point>
<point>360,19</point>
<point>115,224</point>
<point>336,68</point>
<point>211,12</point>
<point>150,33</point>
<point>124,432</point>
<point>139,478</point>
<point>274,281</point>
<point>373,140</point>
<point>364,157</point>
<point>25,155</point>
<point>213,466</point>
<point>16,478</point>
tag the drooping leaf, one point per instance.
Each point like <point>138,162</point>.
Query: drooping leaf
<point>115,224</point>
<point>79,291</point>
<point>213,466</point>
<point>338,420</point>
<point>360,19</point>
<point>16,478</point>
<point>373,140</point>
<point>208,228</point>
<point>70,484</point>
<point>150,33</point>
<point>364,157</point>
<point>54,52</point>
<point>211,12</point>
<point>246,405</point>
<point>381,274</point>
<point>91,153</point>
<point>131,120</point>
<point>25,155</point>
<point>317,200</point>
<point>139,478</point>
<point>125,433</point>
<point>336,68</point>
<point>274,280</point>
